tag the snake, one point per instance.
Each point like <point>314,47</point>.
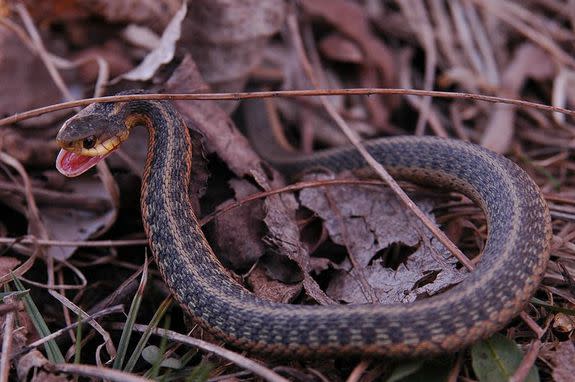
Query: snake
<point>511,266</point>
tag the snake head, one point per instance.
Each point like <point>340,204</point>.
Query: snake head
<point>89,137</point>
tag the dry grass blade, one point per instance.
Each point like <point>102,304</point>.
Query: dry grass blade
<point>35,222</point>
<point>25,267</point>
<point>102,373</point>
<point>81,320</point>
<point>80,313</point>
<point>358,371</point>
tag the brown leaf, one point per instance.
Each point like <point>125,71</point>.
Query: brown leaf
<point>163,53</point>
<point>564,323</point>
<point>25,81</point>
<point>564,361</point>
<point>227,38</point>
<point>270,289</point>
<point>352,20</point>
<point>48,11</point>
<point>154,13</point>
<point>238,232</point>
<point>529,61</point>
<point>30,147</point>
<point>367,221</point>
<point>114,54</point>
<point>77,223</point>
<point>32,360</point>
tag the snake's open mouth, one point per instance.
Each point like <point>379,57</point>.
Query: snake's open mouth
<point>71,164</point>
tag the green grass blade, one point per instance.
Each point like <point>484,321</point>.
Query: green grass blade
<point>146,335</point>
<point>52,351</point>
<point>78,352</point>
<point>132,314</point>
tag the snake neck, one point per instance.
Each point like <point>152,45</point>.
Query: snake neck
<point>165,182</point>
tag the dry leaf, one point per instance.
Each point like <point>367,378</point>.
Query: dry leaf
<point>28,362</point>
<point>564,362</point>
<point>112,51</point>
<point>163,53</point>
<point>238,233</point>
<point>529,61</point>
<point>29,147</point>
<point>270,289</point>
<point>76,224</point>
<point>352,20</point>
<point>154,13</point>
<point>368,220</point>
<point>141,36</point>
<point>226,38</point>
<point>564,323</point>
<point>25,81</point>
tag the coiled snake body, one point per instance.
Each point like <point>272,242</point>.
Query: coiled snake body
<point>511,267</point>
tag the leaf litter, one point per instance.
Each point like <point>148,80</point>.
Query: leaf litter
<point>367,221</point>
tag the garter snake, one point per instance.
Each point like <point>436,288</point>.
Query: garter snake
<point>512,264</point>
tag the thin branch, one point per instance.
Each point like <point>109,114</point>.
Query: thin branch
<point>283,93</point>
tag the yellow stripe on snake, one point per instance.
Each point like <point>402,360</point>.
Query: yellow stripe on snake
<point>508,274</point>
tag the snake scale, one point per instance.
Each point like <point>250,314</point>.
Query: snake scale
<point>511,267</point>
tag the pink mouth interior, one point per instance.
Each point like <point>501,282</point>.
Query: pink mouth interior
<point>70,164</point>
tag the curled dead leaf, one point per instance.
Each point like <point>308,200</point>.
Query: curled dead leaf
<point>564,323</point>
<point>163,53</point>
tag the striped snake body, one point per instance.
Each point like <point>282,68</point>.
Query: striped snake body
<point>511,267</point>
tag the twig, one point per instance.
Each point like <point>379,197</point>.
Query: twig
<point>283,93</point>
<point>8,336</point>
<point>68,243</point>
<point>80,313</point>
<point>456,369</point>
<point>102,373</point>
<point>527,362</point>
<point>358,371</point>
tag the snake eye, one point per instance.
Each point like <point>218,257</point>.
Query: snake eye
<point>89,142</point>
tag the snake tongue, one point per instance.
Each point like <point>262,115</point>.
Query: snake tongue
<point>71,164</point>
